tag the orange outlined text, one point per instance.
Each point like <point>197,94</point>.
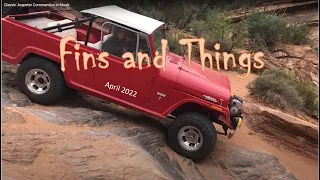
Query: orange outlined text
<point>159,61</point>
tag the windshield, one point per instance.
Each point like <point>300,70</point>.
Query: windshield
<point>157,36</point>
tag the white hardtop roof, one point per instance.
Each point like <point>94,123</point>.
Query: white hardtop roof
<point>125,17</point>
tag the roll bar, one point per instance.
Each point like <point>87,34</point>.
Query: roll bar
<point>76,23</point>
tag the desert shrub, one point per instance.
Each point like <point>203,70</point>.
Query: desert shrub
<point>197,28</point>
<point>215,29</point>
<point>309,96</point>
<point>274,88</point>
<point>296,34</point>
<point>179,14</point>
<point>280,89</point>
<point>239,35</point>
<point>257,44</point>
<point>202,12</point>
<point>218,29</point>
<point>195,52</point>
<point>266,27</point>
<point>173,42</point>
<point>174,13</point>
<point>264,30</point>
<point>150,11</point>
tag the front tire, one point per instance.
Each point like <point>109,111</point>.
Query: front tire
<point>41,80</point>
<point>192,135</point>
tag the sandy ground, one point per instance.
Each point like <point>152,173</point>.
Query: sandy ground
<point>302,167</point>
<point>57,142</point>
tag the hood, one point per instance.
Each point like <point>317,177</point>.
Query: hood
<point>203,83</point>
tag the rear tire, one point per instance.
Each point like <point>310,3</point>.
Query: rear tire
<point>41,80</point>
<point>181,138</point>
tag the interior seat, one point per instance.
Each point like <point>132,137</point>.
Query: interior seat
<point>40,22</point>
<point>73,32</point>
<point>97,45</point>
<point>64,33</point>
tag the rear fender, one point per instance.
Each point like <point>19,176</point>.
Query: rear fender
<point>30,50</point>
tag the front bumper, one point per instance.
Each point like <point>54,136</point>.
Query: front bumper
<point>235,122</point>
<point>240,122</point>
<point>235,108</point>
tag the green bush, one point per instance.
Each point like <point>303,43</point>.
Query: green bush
<point>239,35</point>
<point>218,29</point>
<point>197,28</point>
<point>215,29</point>
<point>179,14</point>
<point>173,43</point>
<point>266,27</point>
<point>174,13</point>
<point>277,88</point>
<point>264,30</point>
<point>195,52</point>
<point>309,96</point>
<point>296,34</point>
<point>202,12</point>
<point>261,29</point>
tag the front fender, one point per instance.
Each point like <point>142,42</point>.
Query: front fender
<point>222,113</point>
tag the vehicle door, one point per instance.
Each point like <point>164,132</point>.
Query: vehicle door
<point>130,85</point>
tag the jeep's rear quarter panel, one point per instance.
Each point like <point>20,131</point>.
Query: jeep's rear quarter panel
<point>19,39</point>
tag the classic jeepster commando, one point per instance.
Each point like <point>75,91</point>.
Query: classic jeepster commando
<point>196,100</point>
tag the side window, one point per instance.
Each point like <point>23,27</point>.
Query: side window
<point>117,40</point>
<point>144,46</point>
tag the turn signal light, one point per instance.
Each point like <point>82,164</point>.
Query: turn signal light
<point>216,108</point>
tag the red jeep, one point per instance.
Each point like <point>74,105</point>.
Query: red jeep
<point>195,99</point>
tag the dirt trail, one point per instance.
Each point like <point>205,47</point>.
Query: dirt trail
<point>302,167</point>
